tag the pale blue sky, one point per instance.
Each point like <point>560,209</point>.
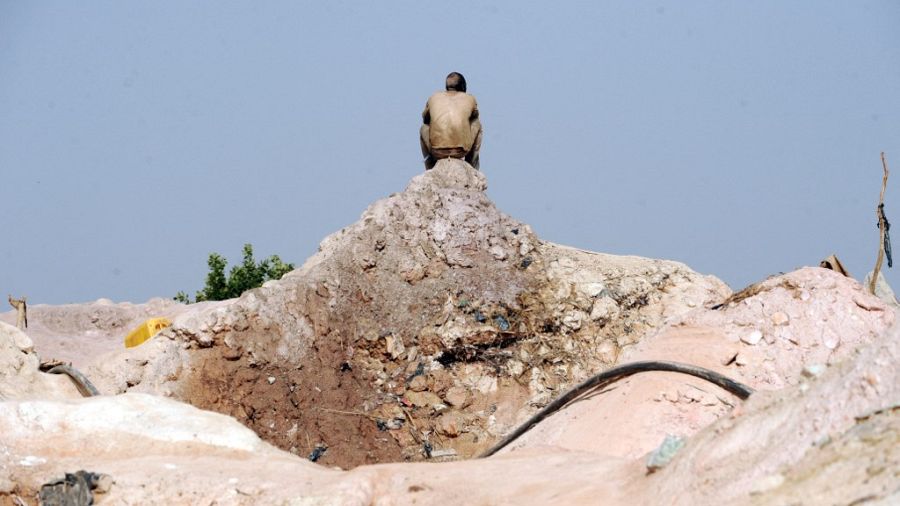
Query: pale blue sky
<point>741,138</point>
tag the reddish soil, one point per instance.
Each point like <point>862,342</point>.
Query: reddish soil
<point>315,403</point>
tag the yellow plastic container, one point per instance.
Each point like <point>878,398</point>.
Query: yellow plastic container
<point>145,331</point>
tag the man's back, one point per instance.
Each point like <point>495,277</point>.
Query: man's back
<point>450,114</point>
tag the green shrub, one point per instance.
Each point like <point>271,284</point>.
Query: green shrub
<point>245,276</point>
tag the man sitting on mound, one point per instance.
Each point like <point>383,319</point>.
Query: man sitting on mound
<point>451,126</point>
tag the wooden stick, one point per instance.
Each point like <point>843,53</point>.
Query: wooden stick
<point>351,413</point>
<point>881,227</point>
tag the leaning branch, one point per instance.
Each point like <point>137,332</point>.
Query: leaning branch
<point>882,227</point>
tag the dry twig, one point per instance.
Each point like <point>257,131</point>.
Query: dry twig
<point>882,227</point>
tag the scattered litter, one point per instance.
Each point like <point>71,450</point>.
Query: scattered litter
<point>501,322</point>
<point>145,331</point>
<point>391,424</point>
<point>420,370</point>
<point>31,460</point>
<point>814,370</point>
<point>75,489</point>
<point>318,452</point>
<point>444,452</point>
<point>661,456</point>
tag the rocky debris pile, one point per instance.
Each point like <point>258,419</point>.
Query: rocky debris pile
<point>768,336</point>
<point>830,438</point>
<point>433,323</point>
<point>810,316</point>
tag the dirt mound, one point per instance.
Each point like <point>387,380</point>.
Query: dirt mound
<point>434,323</point>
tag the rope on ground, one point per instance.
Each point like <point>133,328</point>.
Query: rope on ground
<point>83,384</point>
<point>614,374</point>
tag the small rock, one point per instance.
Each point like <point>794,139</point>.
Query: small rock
<point>229,353</point>
<point>422,399</point>
<point>767,483</point>
<point>271,379</point>
<point>780,319</point>
<point>449,424</point>
<point>7,486</point>
<point>740,360</point>
<point>525,247</point>
<point>753,337</point>
<point>458,397</point>
<point>813,370</point>
<point>604,308</point>
<point>664,454</point>
<point>515,368</point>
<point>592,289</point>
<point>498,252</point>
<point>435,268</point>
<point>830,339</point>
<point>412,274</point>
<point>573,319</point>
<point>104,482</point>
<point>394,345</point>
<point>23,342</point>
<point>418,383</point>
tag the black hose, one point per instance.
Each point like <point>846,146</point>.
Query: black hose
<point>614,374</point>
<point>83,384</point>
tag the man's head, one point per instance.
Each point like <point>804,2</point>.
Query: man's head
<point>456,82</point>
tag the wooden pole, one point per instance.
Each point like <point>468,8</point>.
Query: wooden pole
<point>881,227</point>
<point>21,308</point>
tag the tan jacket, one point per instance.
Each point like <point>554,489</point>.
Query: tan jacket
<point>449,115</point>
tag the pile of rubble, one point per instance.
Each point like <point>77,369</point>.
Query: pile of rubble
<point>431,326</point>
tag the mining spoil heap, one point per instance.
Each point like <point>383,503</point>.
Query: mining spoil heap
<point>428,330</point>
